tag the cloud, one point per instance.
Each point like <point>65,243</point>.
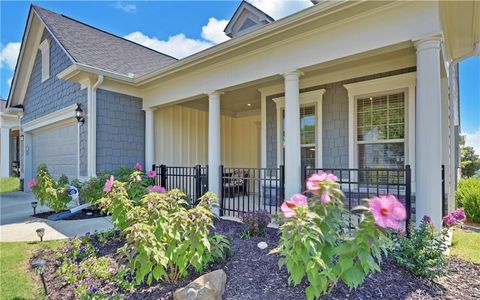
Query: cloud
<point>9,81</point>
<point>473,140</point>
<point>177,46</point>
<point>213,31</point>
<point>126,7</point>
<point>280,8</point>
<point>9,55</point>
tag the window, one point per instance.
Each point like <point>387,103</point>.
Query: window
<point>381,131</point>
<point>45,49</point>
<point>310,128</point>
<point>307,135</point>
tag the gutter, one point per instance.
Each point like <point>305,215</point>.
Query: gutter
<point>92,127</point>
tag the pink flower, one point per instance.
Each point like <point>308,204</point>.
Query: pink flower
<point>151,174</point>
<point>449,220</point>
<point>156,189</point>
<point>108,184</point>
<point>325,198</point>
<point>459,214</point>
<point>288,206</point>
<point>139,167</point>
<point>315,181</point>
<point>32,182</point>
<point>138,178</point>
<point>387,211</point>
<point>426,219</point>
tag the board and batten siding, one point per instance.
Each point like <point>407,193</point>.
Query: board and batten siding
<point>181,138</point>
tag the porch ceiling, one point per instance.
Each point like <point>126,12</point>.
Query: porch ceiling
<point>245,99</point>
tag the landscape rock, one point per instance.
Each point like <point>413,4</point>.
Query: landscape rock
<point>262,245</point>
<point>210,286</point>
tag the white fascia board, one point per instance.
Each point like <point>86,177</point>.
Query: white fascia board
<point>52,118</point>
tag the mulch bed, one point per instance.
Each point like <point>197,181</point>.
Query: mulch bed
<point>252,274</point>
<point>84,214</point>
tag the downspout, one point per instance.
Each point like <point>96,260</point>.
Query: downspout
<point>92,127</point>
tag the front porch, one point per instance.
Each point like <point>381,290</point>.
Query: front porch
<point>352,114</point>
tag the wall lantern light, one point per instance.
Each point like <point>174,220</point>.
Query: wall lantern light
<point>79,114</point>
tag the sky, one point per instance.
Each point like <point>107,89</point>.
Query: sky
<point>181,28</point>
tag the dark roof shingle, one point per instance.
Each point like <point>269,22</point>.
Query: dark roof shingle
<point>99,49</point>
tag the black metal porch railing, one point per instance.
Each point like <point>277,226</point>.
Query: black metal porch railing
<point>193,181</point>
<point>246,190</point>
<point>359,184</point>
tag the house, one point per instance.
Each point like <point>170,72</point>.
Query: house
<point>9,142</point>
<point>348,85</point>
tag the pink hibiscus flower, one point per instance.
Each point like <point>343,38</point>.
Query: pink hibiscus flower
<point>138,178</point>
<point>139,167</point>
<point>151,174</point>
<point>32,182</point>
<point>325,198</point>
<point>288,206</point>
<point>387,211</point>
<point>315,181</point>
<point>108,184</point>
<point>156,189</point>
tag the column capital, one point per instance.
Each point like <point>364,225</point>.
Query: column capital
<point>214,93</point>
<point>431,42</point>
<point>292,75</point>
<point>148,109</point>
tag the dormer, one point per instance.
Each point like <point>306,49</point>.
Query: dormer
<point>245,19</point>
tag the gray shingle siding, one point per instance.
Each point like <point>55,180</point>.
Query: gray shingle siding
<point>43,98</point>
<point>334,121</point>
<point>120,131</point>
<point>271,133</point>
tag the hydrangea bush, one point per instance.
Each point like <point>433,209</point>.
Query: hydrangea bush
<point>165,236</point>
<point>316,242</point>
<point>55,194</point>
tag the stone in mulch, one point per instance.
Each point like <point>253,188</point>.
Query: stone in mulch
<point>252,274</point>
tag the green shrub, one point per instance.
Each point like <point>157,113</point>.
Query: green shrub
<point>78,261</point>
<point>166,237</point>
<point>55,194</point>
<point>468,197</point>
<point>422,251</point>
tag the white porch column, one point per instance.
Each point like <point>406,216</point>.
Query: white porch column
<point>428,139</point>
<point>149,138</point>
<point>5,152</point>
<point>214,142</point>
<point>292,134</point>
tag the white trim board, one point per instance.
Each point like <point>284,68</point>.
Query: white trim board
<point>406,82</point>
<point>51,118</point>
<point>312,97</point>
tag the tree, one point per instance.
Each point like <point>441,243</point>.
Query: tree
<point>469,161</point>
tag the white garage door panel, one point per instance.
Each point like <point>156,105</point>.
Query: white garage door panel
<point>57,148</point>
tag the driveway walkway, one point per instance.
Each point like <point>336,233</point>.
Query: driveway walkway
<point>17,224</point>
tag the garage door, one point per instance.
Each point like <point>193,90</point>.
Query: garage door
<point>56,147</point>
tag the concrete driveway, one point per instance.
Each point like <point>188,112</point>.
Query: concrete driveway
<point>17,224</point>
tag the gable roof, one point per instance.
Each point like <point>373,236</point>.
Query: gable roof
<point>245,24</point>
<point>96,48</point>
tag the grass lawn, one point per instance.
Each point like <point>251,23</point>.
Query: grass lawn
<point>9,184</point>
<point>466,245</point>
<point>16,279</point>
